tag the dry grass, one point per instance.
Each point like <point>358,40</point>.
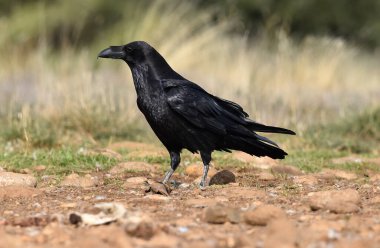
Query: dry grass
<point>279,82</point>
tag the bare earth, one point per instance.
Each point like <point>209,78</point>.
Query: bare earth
<point>277,207</point>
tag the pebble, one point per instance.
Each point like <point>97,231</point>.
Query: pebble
<point>219,214</point>
<point>184,186</point>
<point>336,201</point>
<point>158,188</point>
<point>17,179</point>
<point>263,214</point>
<point>140,226</point>
<point>69,205</point>
<point>18,192</point>
<point>74,180</point>
<point>222,177</point>
<point>339,174</point>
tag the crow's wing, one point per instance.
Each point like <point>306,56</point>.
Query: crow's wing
<point>228,105</point>
<point>206,111</point>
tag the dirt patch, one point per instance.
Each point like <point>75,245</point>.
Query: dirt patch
<point>232,215</point>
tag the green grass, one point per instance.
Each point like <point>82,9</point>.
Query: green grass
<point>311,151</point>
<point>61,161</point>
<point>311,160</point>
<point>25,146</point>
<point>358,134</point>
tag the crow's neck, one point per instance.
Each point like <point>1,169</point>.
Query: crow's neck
<point>140,79</point>
<point>147,76</point>
<point>158,68</point>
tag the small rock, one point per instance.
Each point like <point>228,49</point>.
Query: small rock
<point>126,167</point>
<point>184,186</point>
<point>17,179</point>
<point>74,180</point>
<point>219,214</point>
<point>196,170</point>
<point>222,177</point>
<point>287,170</point>
<point>183,229</point>
<point>309,180</point>
<point>266,176</point>
<point>336,201</point>
<point>18,191</point>
<point>158,188</point>
<point>263,214</point>
<point>39,168</point>
<point>140,226</point>
<point>216,214</point>
<point>233,215</point>
<point>100,197</point>
<point>339,174</point>
<point>69,205</point>
<point>106,212</point>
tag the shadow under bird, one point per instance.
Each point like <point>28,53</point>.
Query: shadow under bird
<point>185,116</point>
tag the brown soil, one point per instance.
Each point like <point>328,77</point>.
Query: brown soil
<point>40,217</point>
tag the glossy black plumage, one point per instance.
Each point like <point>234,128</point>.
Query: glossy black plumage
<point>185,116</point>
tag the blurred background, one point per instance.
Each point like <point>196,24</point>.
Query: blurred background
<point>312,66</point>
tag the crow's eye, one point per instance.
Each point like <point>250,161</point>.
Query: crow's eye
<point>128,49</point>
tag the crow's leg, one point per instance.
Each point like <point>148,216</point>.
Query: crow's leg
<point>206,158</point>
<point>175,159</point>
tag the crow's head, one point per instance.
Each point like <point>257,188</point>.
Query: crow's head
<point>136,52</point>
<point>140,53</point>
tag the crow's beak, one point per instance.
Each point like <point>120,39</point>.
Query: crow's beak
<point>113,52</point>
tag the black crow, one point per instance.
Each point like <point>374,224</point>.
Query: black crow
<point>185,116</point>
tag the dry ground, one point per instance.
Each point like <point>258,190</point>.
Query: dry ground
<point>270,208</point>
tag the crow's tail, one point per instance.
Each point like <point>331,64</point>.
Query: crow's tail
<point>254,126</point>
<point>256,145</point>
